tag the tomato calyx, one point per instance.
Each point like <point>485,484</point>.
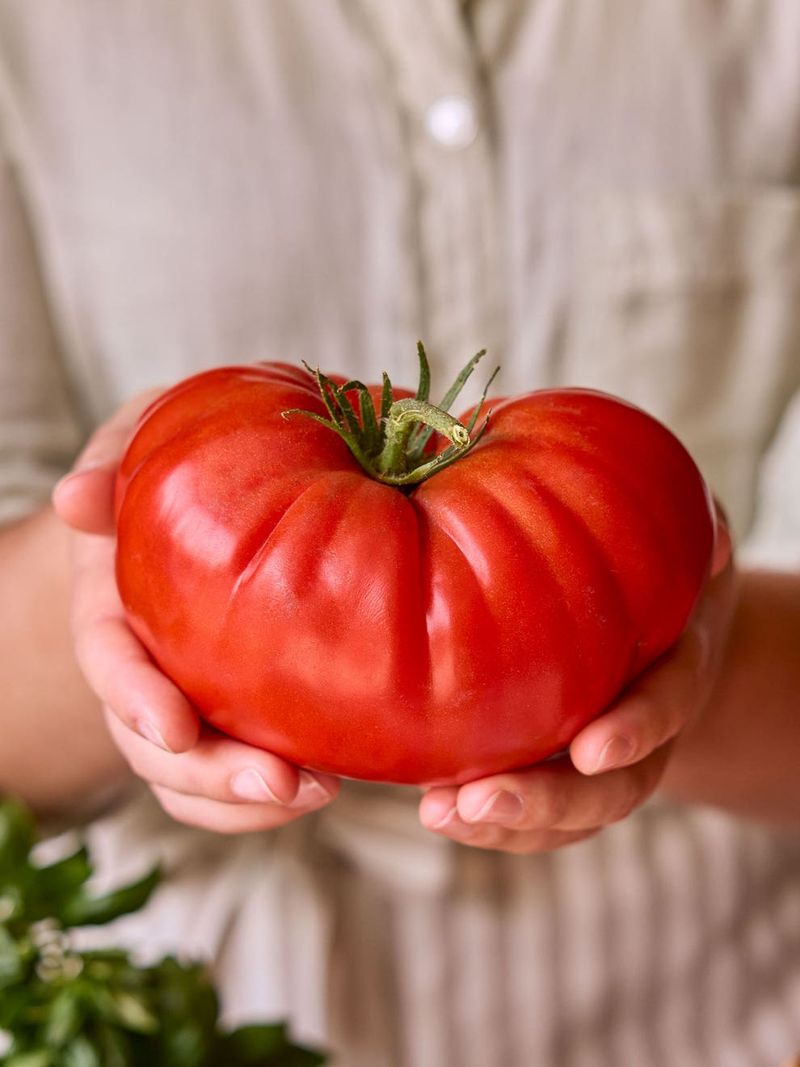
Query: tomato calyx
<point>391,445</point>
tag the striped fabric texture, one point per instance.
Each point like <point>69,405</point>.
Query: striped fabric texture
<point>604,193</point>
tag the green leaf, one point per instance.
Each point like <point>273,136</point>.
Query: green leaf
<point>187,1045</point>
<point>424,387</point>
<point>80,1053</point>
<point>67,875</point>
<point>100,1009</point>
<point>101,962</point>
<point>40,1058</point>
<point>345,407</point>
<point>17,835</point>
<point>99,998</point>
<point>187,994</point>
<point>13,1005</point>
<point>386,398</point>
<point>83,910</point>
<point>64,1019</point>
<point>323,391</point>
<point>114,1047</point>
<point>12,903</point>
<point>266,1045</point>
<point>367,412</point>
<point>479,405</point>
<point>133,1013</point>
<point>455,389</point>
<point>256,1040</point>
<point>12,962</point>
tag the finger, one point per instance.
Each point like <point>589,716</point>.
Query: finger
<point>670,694</point>
<point>554,796</point>
<point>437,805</point>
<point>220,768</point>
<point>723,546</point>
<point>224,818</point>
<point>84,498</point>
<point>115,664</point>
<point>501,838</point>
<point>654,710</point>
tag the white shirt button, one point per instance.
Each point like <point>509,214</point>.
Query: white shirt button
<point>452,121</point>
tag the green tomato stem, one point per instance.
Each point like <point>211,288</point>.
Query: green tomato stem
<point>390,446</point>
<point>403,416</point>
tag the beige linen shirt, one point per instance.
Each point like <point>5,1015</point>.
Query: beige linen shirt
<point>604,194</point>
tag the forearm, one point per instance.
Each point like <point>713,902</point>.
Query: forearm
<point>743,752</point>
<point>55,751</point>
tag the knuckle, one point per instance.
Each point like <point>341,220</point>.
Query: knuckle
<point>550,808</point>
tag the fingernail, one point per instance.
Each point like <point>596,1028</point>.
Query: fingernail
<point>503,807</point>
<point>615,752</point>
<point>310,791</point>
<point>446,819</point>
<point>150,732</point>
<point>249,784</point>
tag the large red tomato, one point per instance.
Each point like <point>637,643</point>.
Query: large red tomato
<point>417,631</point>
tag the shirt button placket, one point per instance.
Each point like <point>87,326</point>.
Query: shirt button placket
<point>458,229</point>
<point>437,84</point>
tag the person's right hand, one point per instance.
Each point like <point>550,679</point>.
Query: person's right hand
<point>199,776</point>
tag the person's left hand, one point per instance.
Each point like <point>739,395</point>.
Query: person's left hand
<point>614,763</point>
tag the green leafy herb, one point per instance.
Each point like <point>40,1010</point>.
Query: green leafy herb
<point>63,1008</point>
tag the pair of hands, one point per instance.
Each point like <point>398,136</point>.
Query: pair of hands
<point>204,779</point>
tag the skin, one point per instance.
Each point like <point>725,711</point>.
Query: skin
<point>687,723</point>
<point>200,777</point>
<point>617,761</point>
<point>44,693</point>
<point>715,723</point>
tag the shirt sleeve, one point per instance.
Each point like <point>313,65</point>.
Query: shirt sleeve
<point>774,540</point>
<point>39,429</point>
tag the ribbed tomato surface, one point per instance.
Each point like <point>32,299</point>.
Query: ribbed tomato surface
<point>471,624</point>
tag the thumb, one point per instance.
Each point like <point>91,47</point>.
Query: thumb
<point>723,546</point>
<point>84,498</point>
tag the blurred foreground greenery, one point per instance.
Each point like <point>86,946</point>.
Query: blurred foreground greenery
<point>60,1007</point>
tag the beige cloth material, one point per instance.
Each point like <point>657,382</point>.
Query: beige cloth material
<point>191,183</point>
